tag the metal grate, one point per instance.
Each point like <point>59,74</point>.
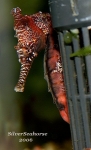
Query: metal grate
<point>77,73</point>
<point>66,15</point>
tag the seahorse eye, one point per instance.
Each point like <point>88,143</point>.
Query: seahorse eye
<point>16,10</point>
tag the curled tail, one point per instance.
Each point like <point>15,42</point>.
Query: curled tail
<point>54,77</point>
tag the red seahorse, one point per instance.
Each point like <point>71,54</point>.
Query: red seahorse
<point>35,33</point>
<point>31,39</point>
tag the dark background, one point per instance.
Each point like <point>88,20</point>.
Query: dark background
<point>34,109</point>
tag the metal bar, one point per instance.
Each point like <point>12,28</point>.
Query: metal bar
<point>73,102</point>
<point>88,58</point>
<point>82,98</point>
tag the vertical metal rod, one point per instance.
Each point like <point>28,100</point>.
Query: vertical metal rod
<point>73,103</point>
<point>86,41</point>
<point>81,94</point>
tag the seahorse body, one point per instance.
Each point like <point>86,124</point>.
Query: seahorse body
<point>35,33</point>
